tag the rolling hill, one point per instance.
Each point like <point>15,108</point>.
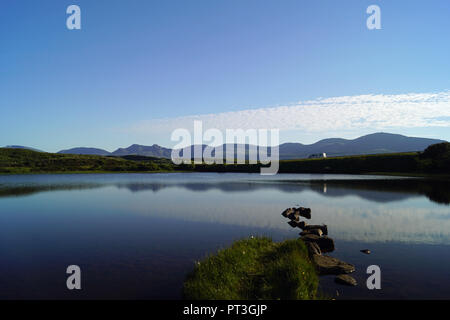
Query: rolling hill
<point>86,151</point>
<point>375,143</point>
<point>23,147</point>
<point>148,151</point>
<point>369,144</point>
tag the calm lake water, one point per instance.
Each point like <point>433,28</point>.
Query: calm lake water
<point>135,236</point>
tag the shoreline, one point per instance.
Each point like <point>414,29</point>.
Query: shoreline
<point>411,175</point>
<point>420,165</point>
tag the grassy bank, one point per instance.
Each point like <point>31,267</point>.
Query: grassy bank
<point>20,161</point>
<point>434,161</point>
<point>255,268</point>
<point>395,163</point>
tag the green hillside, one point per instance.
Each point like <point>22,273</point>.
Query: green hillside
<point>27,161</point>
<point>434,160</point>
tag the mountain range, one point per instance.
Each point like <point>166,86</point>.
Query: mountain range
<point>369,144</point>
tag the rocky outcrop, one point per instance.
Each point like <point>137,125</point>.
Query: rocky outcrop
<point>317,242</point>
<point>329,265</point>
<point>346,280</point>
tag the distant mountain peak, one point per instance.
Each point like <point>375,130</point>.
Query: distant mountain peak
<point>85,150</point>
<point>378,142</point>
<point>149,151</point>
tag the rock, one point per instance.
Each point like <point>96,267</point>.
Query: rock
<point>287,212</point>
<point>293,216</point>
<point>303,212</point>
<point>366,251</point>
<point>329,265</point>
<point>301,224</point>
<point>323,227</point>
<point>345,279</point>
<point>310,237</point>
<point>313,248</point>
<point>293,223</point>
<point>326,244</point>
<point>316,232</point>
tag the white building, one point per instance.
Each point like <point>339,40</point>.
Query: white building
<point>318,156</point>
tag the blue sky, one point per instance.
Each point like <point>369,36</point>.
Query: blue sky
<point>134,63</point>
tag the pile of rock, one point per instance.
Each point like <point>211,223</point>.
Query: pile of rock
<point>317,241</point>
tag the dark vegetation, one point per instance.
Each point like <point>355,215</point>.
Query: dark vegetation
<point>16,161</point>
<point>435,160</point>
<point>255,268</point>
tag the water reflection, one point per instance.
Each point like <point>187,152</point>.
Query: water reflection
<point>130,229</point>
<point>371,210</point>
<point>374,189</point>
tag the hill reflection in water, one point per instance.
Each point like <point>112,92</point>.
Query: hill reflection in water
<point>357,207</point>
<point>137,235</point>
<point>374,189</point>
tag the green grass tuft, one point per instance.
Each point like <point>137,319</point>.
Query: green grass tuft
<point>255,268</point>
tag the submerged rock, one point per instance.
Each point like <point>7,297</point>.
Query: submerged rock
<point>326,244</point>
<point>366,251</point>
<point>345,279</point>
<point>329,265</point>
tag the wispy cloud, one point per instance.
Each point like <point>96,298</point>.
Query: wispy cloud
<point>377,112</point>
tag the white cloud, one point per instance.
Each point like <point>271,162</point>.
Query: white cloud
<point>363,112</point>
